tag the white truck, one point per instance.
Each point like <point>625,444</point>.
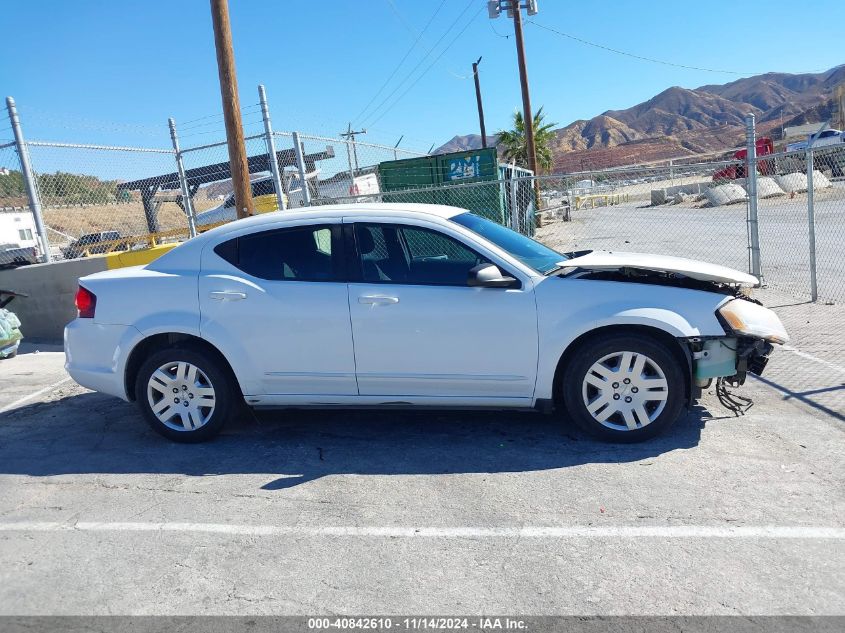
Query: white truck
<point>18,238</point>
<point>828,137</point>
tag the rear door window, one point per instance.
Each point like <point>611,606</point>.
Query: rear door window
<point>295,254</point>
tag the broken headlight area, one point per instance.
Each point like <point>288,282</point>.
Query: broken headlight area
<point>728,360</point>
<point>742,317</point>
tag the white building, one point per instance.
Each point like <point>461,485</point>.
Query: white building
<point>17,227</point>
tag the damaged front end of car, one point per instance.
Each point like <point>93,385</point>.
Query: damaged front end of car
<point>751,331</point>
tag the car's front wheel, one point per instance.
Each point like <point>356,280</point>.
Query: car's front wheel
<point>184,394</point>
<point>624,387</point>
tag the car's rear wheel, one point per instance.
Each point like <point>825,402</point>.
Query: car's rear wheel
<point>184,394</point>
<point>624,388</point>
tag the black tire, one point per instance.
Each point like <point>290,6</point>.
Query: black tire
<point>574,389</point>
<point>224,391</point>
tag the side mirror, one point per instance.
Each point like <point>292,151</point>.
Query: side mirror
<point>489,276</point>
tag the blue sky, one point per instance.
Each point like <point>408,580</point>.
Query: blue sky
<point>112,72</point>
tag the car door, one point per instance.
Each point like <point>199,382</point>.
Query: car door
<point>275,303</point>
<point>420,332</point>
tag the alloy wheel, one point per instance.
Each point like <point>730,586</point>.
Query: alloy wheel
<point>625,391</point>
<point>181,396</point>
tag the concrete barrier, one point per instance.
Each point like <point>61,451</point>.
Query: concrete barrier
<point>51,289</point>
<point>666,194</point>
<point>725,194</point>
<point>796,182</point>
<point>658,196</point>
<point>768,188</point>
<point>820,181</point>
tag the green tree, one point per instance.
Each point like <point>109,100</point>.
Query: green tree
<point>66,188</point>
<point>515,146</point>
<point>60,188</point>
<point>11,185</point>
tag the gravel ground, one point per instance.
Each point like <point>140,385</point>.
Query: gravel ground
<point>719,235</point>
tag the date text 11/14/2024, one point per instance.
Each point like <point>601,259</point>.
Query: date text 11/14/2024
<point>421,623</point>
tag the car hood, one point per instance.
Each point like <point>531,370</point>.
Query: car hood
<point>703,271</point>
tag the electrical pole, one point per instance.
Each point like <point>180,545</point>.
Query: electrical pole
<point>231,107</point>
<point>523,80</point>
<point>350,136</point>
<point>478,99</point>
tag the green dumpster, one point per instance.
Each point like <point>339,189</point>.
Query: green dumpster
<point>471,179</point>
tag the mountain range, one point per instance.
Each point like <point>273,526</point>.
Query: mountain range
<point>681,122</point>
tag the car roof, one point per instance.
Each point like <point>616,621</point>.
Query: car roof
<point>368,209</point>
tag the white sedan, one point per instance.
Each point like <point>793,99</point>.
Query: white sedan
<point>412,306</point>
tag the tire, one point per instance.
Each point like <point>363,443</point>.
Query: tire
<point>598,398</point>
<point>198,379</point>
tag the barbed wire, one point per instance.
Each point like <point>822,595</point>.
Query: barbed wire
<point>218,118</point>
<point>72,122</point>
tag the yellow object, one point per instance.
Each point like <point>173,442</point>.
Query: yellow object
<point>268,202</point>
<point>607,198</point>
<point>122,259</point>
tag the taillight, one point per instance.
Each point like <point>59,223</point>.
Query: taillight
<point>86,303</point>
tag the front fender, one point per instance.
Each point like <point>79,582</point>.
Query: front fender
<point>570,309</point>
<point>664,319</point>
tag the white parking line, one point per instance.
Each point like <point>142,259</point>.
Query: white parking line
<point>34,394</point>
<point>552,532</point>
<point>798,352</point>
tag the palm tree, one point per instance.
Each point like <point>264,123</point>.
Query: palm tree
<point>515,146</point>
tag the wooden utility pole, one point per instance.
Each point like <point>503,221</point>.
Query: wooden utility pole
<point>526,97</point>
<point>478,99</point>
<point>231,107</point>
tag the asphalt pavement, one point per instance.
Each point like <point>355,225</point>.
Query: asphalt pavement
<point>362,512</point>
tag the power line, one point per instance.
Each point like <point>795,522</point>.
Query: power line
<point>413,29</point>
<point>430,66</point>
<point>642,57</point>
<point>420,63</point>
<point>495,32</point>
<point>401,61</point>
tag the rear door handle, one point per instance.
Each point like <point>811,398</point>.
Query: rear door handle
<point>377,300</point>
<point>224,295</point>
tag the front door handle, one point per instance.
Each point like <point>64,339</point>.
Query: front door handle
<point>225,295</point>
<point>378,300</point>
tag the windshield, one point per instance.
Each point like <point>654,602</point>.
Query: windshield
<point>531,253</point>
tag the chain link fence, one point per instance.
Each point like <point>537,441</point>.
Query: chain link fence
<point>344,171</point>
<point>18,234</point>
<point>801,203</point>
<point>85,209</point>
<point>97,199</point>
<point>686,211</point>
